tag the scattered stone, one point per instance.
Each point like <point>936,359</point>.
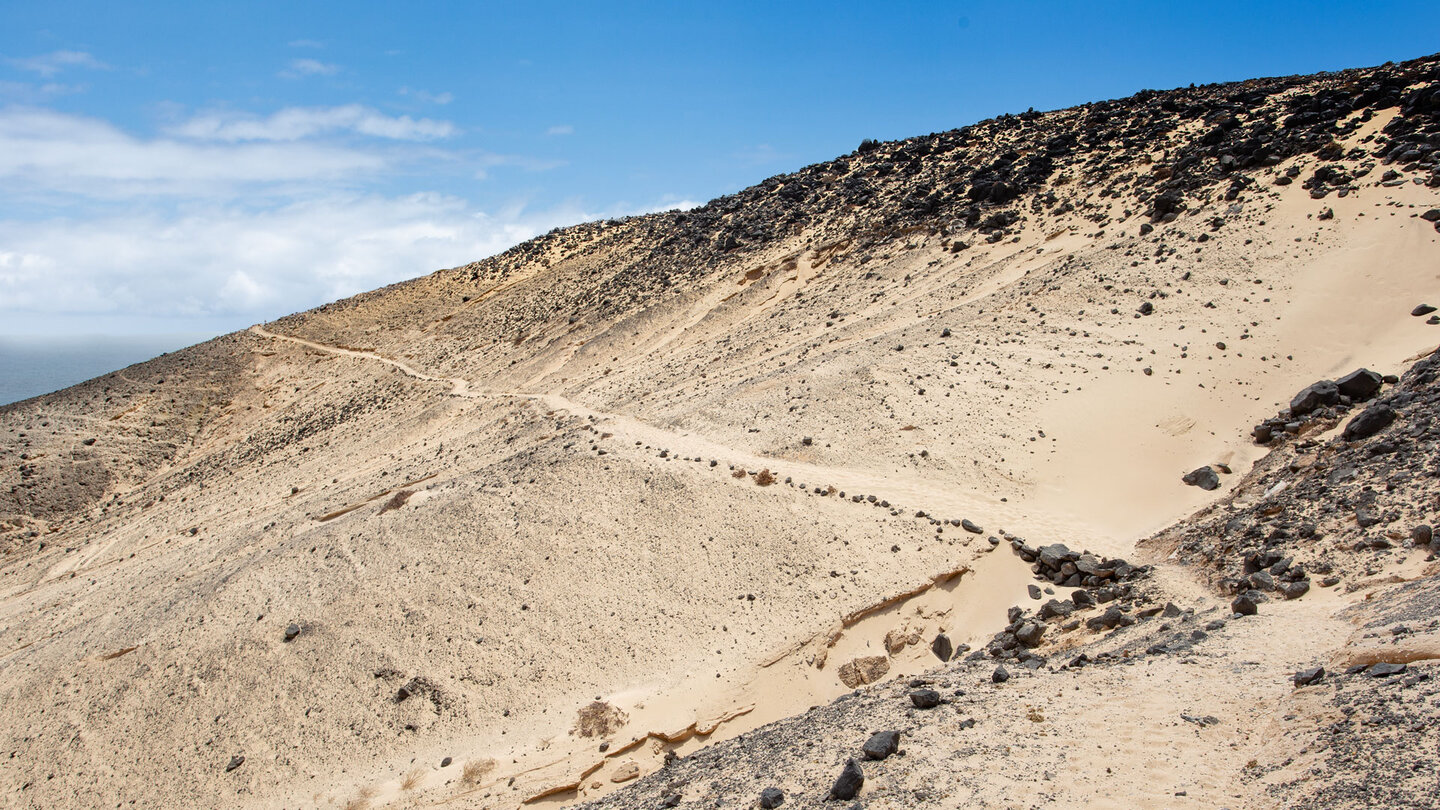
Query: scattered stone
<point>1205,478</point>
<point>968,525</point>
<point>628,770</point>
<point>1423,309</point>
<point>235,762</point>
<point>445,763</point>
<point>1307,677</point>
<point>291,631</point>
<point>942,647</point>
<point>1372,420</point>
<point>1244,605</point>
<point>1385,669</point>
<point>881,745</point>
<point>771,797</point>
<point>1313,396</point>
<point>1422,534</point>
<point>849,782</point>
<point>1295,589</point>
<point>1000,675</point>
<point>925,698</point>
<point>1360,384</point>
<point>1034,591</point>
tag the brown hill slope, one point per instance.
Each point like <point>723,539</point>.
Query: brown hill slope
<point>671,463</point>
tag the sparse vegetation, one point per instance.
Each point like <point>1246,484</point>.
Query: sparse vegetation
<point>397,500</point>
<point>599,719</point>
<point>412,779</point>
<point>476,770</point>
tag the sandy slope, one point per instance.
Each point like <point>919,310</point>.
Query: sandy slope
<point>489,497</point>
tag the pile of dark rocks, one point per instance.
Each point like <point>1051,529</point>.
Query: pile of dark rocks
<point>1321,403</point>
<point>1098,580</point>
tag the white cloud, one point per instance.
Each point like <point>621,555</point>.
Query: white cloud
<point>309,67</point>
<point>45,151</point>
<point>428,97</point>
<point>560,129</point>
<point>228,264</point>
<point>529,164</point>
<point>52,63</point>
<point>305,43</point>
<point>296,123</point>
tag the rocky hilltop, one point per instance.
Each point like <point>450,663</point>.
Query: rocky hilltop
<point>1068,458</point>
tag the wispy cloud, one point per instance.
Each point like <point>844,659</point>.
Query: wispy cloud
<point>227,262</point>
<point>305,43</point>
<point>42,151</point>
<point>26,93</point>
<point>561,129</point>
<point>299,68</point>
<point>49,64</point>
<point>296,123</point>
<point>426,96</point>
<point>525,162</point>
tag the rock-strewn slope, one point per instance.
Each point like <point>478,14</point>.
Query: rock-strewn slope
<point>1185,702</point>
<point>704,469</point>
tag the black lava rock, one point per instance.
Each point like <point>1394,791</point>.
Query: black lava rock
<point>925,698</point>
<point>849,782</point>
<point>1000,675</point>
<point>1385,669</point>
<point>771,798</point>
<point>1423,309</point>
<point>1372,420</point>
<point>1205,478</point>
<point>291,632</point>
<point>1244,605</point>
<point>1306,677</point>
<point>942,647</point>
<point>881,744</point>
<point>1360,384</point>
<point>1313,396</point>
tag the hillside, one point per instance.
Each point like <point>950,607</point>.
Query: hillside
<point>636,488</point>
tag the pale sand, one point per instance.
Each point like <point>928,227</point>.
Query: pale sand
<point>528,575</point>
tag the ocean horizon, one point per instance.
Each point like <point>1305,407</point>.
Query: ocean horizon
<point>35,365</point>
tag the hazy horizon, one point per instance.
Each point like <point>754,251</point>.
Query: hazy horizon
<point>31,365</point>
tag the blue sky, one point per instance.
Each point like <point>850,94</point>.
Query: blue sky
<point>197,167</point>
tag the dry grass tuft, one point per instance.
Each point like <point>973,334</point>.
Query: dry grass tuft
<point>599,719</point>
<point>476,769</point>
<point>412,779</point>
<point>765,478</point>
<point>738,474</point>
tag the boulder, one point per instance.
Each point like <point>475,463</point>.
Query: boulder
<point>1360,384</point>
<point>1370,421</point>
<point>849,782</point>
<point>925,698</point>
<point>942,647</point>
<point>1324,392</point>
<point>1205,478</point>
<point>881,744</point>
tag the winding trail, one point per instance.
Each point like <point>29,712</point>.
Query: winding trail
<point>939,498</point>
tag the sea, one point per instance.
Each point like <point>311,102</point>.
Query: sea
<point>33,365</point>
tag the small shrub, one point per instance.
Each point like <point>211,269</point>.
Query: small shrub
<point>765,478</point>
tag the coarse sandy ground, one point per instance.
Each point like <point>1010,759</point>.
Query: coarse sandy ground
<point>488,499</point>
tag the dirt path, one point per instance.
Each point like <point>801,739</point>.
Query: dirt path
<point>904,492</point>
